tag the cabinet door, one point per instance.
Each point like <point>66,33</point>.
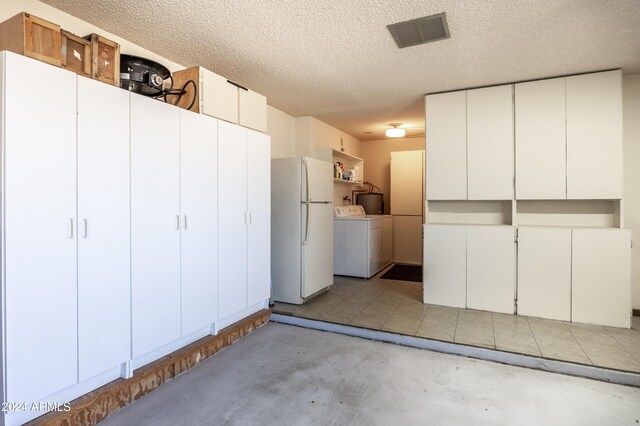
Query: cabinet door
<point>259,207</point>
<point>491,265</point>
<point>232,219</point>
<point>407,239</point>
<point>39,190</point>
<point>406,183</point>
<point>601,277</point>
<point>199,206</point>
<point>541,171</point>
<point>446,155</point>
<point>445,265</point>
<point>219,97</point>
<point>544,272</point>
<point>594,136</point>
<point>490,143</point>
<point>252,110</point>
<point>155,230</point>
<point>104,280</point>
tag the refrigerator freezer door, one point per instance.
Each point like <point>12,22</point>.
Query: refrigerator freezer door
<point>317,248</point>
<point>317,180</point>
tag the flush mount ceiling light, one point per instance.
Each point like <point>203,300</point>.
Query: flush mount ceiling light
<point>419,31</point>
<point>395,132</point>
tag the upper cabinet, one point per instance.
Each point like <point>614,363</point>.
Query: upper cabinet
<point>490,143</point>
<point>446,155</point>
<point>220,98</point>
<point>569,138</point>
<point>470,145</point>
<point>541,160</point>
<point>594,136</point>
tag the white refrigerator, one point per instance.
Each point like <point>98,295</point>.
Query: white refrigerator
<point>301,228</point>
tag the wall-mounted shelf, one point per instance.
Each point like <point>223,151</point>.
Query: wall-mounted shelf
<point>348,182</point>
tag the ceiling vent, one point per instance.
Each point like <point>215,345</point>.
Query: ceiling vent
<point>420,31</point>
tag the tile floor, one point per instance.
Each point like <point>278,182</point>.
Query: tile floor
<point>396,306</point>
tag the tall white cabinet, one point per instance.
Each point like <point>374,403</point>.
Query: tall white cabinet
<point>104,257</point>
<point>39,229</point>
<point>541,235</point>
<point>244,223</point>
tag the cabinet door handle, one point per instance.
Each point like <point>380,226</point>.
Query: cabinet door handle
<point>70,227</point>
<point>86,228</point>
<point>250,218</point>
<point>177,222</point>
<point>185,222</point>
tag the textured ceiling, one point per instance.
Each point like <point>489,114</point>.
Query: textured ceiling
<point>335,59</point>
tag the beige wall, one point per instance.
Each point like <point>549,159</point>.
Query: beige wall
<point>9,8</point>
<point>376,156</point>
<point>282,129</point>
<point>631,101</point>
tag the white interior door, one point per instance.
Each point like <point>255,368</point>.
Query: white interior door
<point>446,154</point>
<point>317,180</point>
<point>406,183</point>
<point>601,277</point>
<point>490,143</point>
<point>259,207</point>
<point>199,206</point>
<point>594,136</point>
<point>445,265</point>
<point>39,191</point>
<point>491,268</point>
<point>407,239</point>
<point>104,269</point>
<point>155,223</point>
<point>317,247</point>
<point>232,219</point>
<point>541,169</point>
<point>544,272</point>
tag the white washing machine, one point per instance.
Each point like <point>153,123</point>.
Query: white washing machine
<point>362,244</point>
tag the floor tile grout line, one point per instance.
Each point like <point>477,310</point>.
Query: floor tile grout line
<point>534,336</point>
<point>622,345</point>
<point>455,331</point>
<point>578,342</point>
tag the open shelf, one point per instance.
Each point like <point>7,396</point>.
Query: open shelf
<point>347,182</point>
<point>470,212</point>
<point>569,213</point>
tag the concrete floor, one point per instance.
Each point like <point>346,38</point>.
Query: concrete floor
<point>288,375</point>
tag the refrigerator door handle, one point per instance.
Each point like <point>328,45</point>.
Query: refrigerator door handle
<point>306,169</point>
<point>306,232</point>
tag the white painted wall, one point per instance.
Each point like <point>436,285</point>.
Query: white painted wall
<point>9,8</point>
<point>282,129</point>
<point>377,155</point>
<point>631,107</point>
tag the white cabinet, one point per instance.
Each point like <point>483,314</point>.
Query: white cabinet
<point>252,110</point>
<point>155,224</point>
<point>199,209</point>
<point>406,195</point>
<point>541,171</point>
<point>39,229</point>
<point>594,136</point>
<point>259,213</point>
<point>601,277</point>
<point>544,272</point>
<point>219,98</point>
<point>445,265</point>
<point>491,268</point>
<point>446,148</point>
<point>407,239</point>
<point>490,143</point>
<point>104,300</point>
<point>244,218</point>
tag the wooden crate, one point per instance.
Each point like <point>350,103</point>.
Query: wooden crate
<point>31,36</point>
<point>76,54</point>
<point>179,80</point>
<point>105,59</point>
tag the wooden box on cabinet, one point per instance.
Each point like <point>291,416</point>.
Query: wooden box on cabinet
<point>76,54</point>
<point>105,59</point>
<point>31,36</point>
